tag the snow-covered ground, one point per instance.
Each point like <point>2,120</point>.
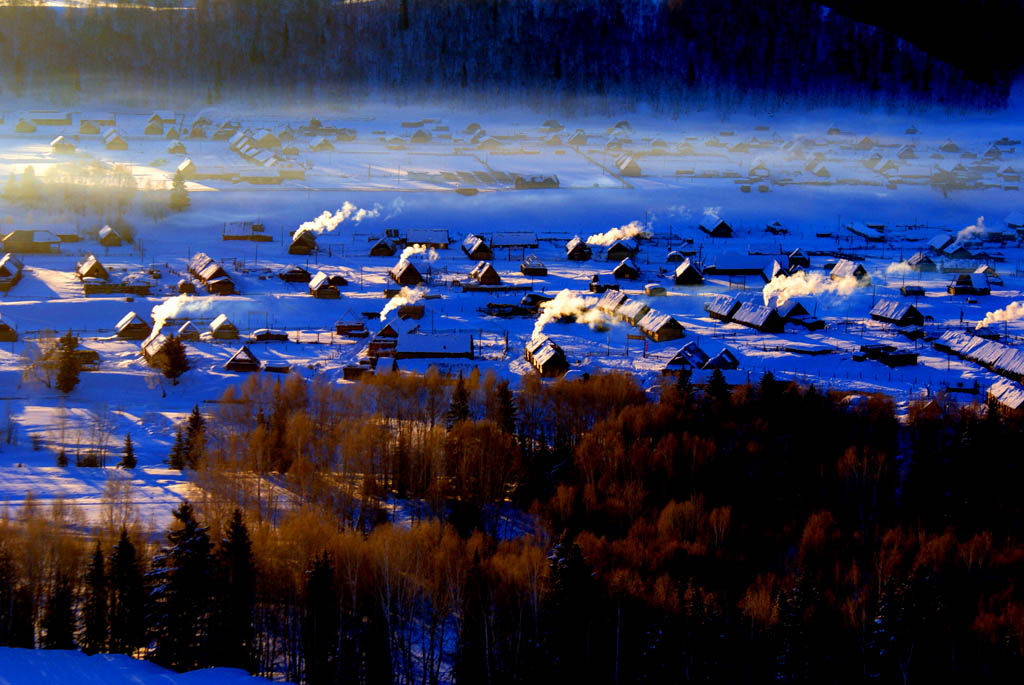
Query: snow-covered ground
<point>748,169</point>
<point>29,667</point>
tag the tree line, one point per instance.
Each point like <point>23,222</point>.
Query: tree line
<point>595,54</point>
<point>435,528</point>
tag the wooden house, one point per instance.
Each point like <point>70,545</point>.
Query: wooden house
<point>477,248</point>
<point>845,268</point>
<point>112,140</point>
<point>626,269</point>
<point>919,261</point>
<point>153,128</point>
<point>188,331</point>
<point>7,334</point>
<point>624,248</point>
<point>243,361</point>
<point>62,146</point>
<point>969,284</point>
<point>484,273</point>
<point>532,266</point>
<point>428,237</point>
<point>546,357</point>
<point>722,307</point>
<point>600,283</point>
<point>404,273</point>
<point>688,274</point>
<point>222,329</point>
<point>321,288</point>
<point>10,271</point>
<point>434,346</point>
<point>294,273</point>
<point>90,267</point>
<point>797,259</point>
<point>632,311</point>
<point>793,311</point>
<point>576,250</point>
<point>109,237</point>
<point>716,228</point>
<point>24,127</point>
<point>897,313</point>
<point>724,360</point>
<point>759,317</point>
<point>132,327</point>
<point>321,144</point>
<point>627,166</point>
<point>382,248</point>
<point>31,241</point>
<point>688,358</point>
<point>660,327</point>
<point>303,243</point>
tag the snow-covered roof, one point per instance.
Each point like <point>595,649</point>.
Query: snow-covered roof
<point>891,310</point>
<point>632,311</point>
<point>508,239</point>
<point>845,268</point>
<point>320,280</point>
<point>1007,393</point>
<point>653,321</point>
<point>128,319</point>
<point>220,322</point>
<point>611,300</point>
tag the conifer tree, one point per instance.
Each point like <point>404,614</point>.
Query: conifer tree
<point>179,195</point>
<point>175,360</point>
<point>95,620</point>
<point>176,460</point>
<point>67,364</point>
<point>320,625</point>
<point>128,459</point>
<point>59,616</point>
<point>62,458</point>
<point>194,438</point>
<point>237,597</point>
<point>181,598</point>
<point>459,408</point>
<point>501,407</point>
<point>127,598</point>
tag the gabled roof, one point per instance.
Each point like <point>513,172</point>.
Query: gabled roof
<point>220,322</point>
<point>723,305</point>
<point>757,316</point>
<point>508,239</point>
<point>653,321</point>
<point>611,300</point>
<point>245,356</point>
<point>891,310</point>
<point>632,311</point>
<point>845,268</point>
<point>128,319</point>
<point>320,280</point>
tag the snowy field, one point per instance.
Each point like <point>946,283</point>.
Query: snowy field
<point>379,172</point>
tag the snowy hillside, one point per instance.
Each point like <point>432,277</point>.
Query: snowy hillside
<point>31,667</point>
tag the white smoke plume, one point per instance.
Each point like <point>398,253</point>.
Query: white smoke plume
<point>428,254</point>
<point>899,268</point>
<point>327,222</point>
<point>567,304</point>
<point>190,306</point>
<point>713,212</point>
<point>1012,312</point>
<point>971,231</point>
<point>404,296</point>
<point>783,288</point>
<point>634,229</point>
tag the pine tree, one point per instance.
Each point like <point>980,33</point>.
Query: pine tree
<point>59,616</point>
<point>179,196</point>
<point>175,361</point>
<point>237,597</point>
<point>62,458</point>
<point>717,388</point>
<point>501,407</point>
<point>459,408</point>
<point>320,625</point>
<point>95,620</point>
<point>194,438</point>
<point>67,363</point>
<point>182,598</point>
<point>176,460</point>
<point>128,460</point>
<point>127,598</point>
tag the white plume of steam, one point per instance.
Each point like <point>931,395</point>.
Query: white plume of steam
<point>404,296</point>
<point>1012,312</point>
<point>634,229</point>
<point>713,212</point>
<point>190,306</point>
<point>783,288</point>
<point>899,268</point>
<point>327,222</point>
<point>977,229</point>
<point>567,304</point>
<point>429,254</point>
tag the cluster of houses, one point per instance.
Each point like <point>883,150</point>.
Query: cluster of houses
<point>211,274</point>
<point>993,355</point>
<point>657,326</point>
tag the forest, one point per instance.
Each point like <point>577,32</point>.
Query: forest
<point>426,529</point>
<point>597,55</point>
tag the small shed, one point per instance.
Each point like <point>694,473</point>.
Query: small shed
<point>404,273</point>
<point>321,288</point>
<point>970,284</point>
<point>546,357</point>
<point>897,313</point>
<point>919,261</point>
<point>90,267</point>
<point>626,269</point>
<point>722,307</point>
<point>132,327</point>
<point>88,127</point>
<point>627,166</point>
<point>61,146</point>
<point>660,327</point>
<point>109,237</point>
<point>484,273</point>
<point>24,127</point>
<point>420,136</point>
<point>321,144</point>
<point>154,128</point>
<point>222,329</point>
<point>577,250</point>
<point>303,243</point>
<point>724,360</point>
<point>476,247</point>
<point>716,228</point>
<point>220,286</point>
<point>688,274</point>
<point>687,358</point>
<point>243,361</point>
<point>382,248</point>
